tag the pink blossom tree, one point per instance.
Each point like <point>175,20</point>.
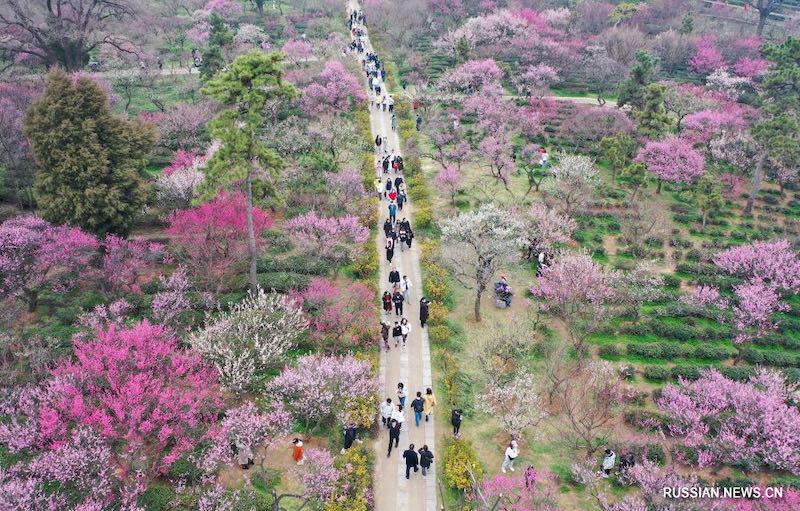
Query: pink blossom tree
<point>320,389</point>
<point>335,89</point>
<point>340,317</point>
<point>774,263</point>
<point>318,475</point>
<point>183,124</point>
<point>534,490</point>
<point>544,229</point>
<point>705,125</point>
<point>298,51</point>
<point>672,159</point>
<point>755,425</point>
<point>535,80</point>
<point>247,428</point>
<point>471,75</point>
<point>706,57</point>
<point>750,68</point>
<point>578,291</point>
<point>127,261</point>
<point>334,238</point>
<point>213,236</point>
<point>35,255</point>
<point>450,181</point>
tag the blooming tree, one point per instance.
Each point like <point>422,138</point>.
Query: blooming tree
<point>706,57</point>
<point>334,238</point>
<point>755,424</point>
<point>471,75</point>
<point>252,336</point>
<point>535,80</point>
<point>750,68</point>
<point>773,262</point>
<point>318,475</point>
<point>214,235</point>
<point>516,404</point>
<point>246,426</point>
<point>578,291</point>
<point>126,261</point>
<point>544,229</point>
<point>535,490</point>
<point>477,244</point>
<point>340,317</point>
<point>320,389</point>
<point>672,159</point>
<point>574,180</point>
<point>182,125</point>
<point>336,89</point>
<point>298,50</point>
<point>450,181</point>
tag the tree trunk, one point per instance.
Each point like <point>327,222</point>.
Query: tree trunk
<point>251,234</point>
<point>756,183</point>
<point>658,190</point>
<point>705,214</point>
<point>478,295</point>
<point>762,20</point>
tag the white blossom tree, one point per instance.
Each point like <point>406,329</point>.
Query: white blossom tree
<point>477,244</point>
<point>253,335</point>
<point>516,404</point>
<point>575,179</point>
<point>544,228</point>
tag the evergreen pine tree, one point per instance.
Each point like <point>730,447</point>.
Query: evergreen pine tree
<point>652,119</point>
<point>90,161</point>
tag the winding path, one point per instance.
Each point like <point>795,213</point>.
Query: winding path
<point>410,365</point>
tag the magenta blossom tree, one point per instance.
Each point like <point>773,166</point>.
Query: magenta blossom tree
<point>706,57</point>
<point>672,159</point>
<point>126,261</point>
<point>298,51</point>
<point>213,236</point>
<point>773,262</point>
<point>334,238</point>
<point>750,68</point>
<point>450,181</point>
<point>318,475</point>
<point>320,389</point>
<point>534,490</point>
<point>754,423</point>
<point>335,89</point>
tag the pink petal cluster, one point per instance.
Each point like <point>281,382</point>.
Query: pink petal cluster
<point>334,238</point>
<point>334,89</point>
<point>672,159</point>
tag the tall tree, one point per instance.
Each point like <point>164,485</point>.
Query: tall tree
<point>652,119</point>
<point>618,150</point>
<point>219,36</point>
<point>244,88</point>
<point>61,32</point>
<point>478,243</point>
<point>764,8</point>
<point>90,161</point>
<point>632,90</point>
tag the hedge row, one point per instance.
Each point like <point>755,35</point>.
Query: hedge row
<point>669,350</point>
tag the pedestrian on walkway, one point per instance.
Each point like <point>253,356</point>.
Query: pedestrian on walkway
<point>425,459</point>
<point>402,238</point>
<point>386,410</point>
<point>378,187</point>
<point>394,122</point>
<point>394,277</point>
<point>512,451</point>
<point>419,122</point>
<point>430,403</point>
<point>418,405</point>
<point>388,187</point>
<point>412,460</point>
<point>409,237</point>
<point>405,329</point>
<point>393,197</point>
<point>397,333</point>
<point>387,302</point>
<point>391,104</point>
<point>297,451</point>
<point>397,300</point>
<point>387,227</point>
<point>423,310</point>
<point>608,462</point>
<point>385,327</point>
<point>398,415</point>
<point>401,394</point>
<point>378,140</point>
<point>394,436</point>
<point>455,420</point>
<point>389,250</point>
<point>392,212</point>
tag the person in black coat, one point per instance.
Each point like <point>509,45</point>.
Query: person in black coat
<point>387,302</point>
<point>409,237</point>
<point>388,188</point>
<point>455,420</point>
<point>389,250</point>
<point>423,311</point>
<point>378,140</point>
<point>412,460</point>
<point>387,227</point>
<point>425,459</point>
<point>349,436</point>
<point>397,181</point>
<point>394,277</point>
<point>394,435</point>
<point>397,300</point>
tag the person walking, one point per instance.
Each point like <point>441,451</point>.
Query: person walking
<point>386,410</point>
<point>608,462</point>
<point>401,394</point>
<point>418,405</point>
<point>512,451</point>
<point>393,197</point>
<point>409,237</point>
<point>244,455</point>
<point>378,141</point>
<point>298,454</point>
<point>394,122</point>
<point>419,122</point>
<point>378,187</point>
<point>387,302</point>
<point>385,327</point>
<point>394,436</point>
<point>350,431</point>
<point>430,403</point>
<point>423,310</point>
<point>389,250</point>
<point>397,333</point>
<point>394,277</point>
<point>388,187</point>
<point>397,300</point>
<point>405,287</point>
<point>405,329</point>
<point>403,239</point>
<point>455,420</point>
<point>387,227</point>
<point>392,212</point>
<point>412,460</point>
<point>425,459</point>
<point>401,199</point>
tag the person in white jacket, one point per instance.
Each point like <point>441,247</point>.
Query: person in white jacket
<point>608,462</point>
<point>386,411</point>
<point>512,451</point>
<point>405,287</point>
<point>397,414</point>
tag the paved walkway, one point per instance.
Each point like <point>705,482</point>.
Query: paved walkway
<point>410,365</point>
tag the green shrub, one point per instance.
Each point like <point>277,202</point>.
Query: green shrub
<point>687,372</point>
<point>157,497</point>
<point>648,350</point>
<point>792,374</point>
<point>736,373</point>
<point>732,482</point>
<point>439,334</point>
<point>635,329</point>
<point>459,460</point>
<point>367,264</point>
<point>656,373</point>
<point>435,282</point>
<point>352,489</point>
<point>609,350</point>
<point>677,331</point>
<point>708,352</point>
<point>672,350</point>
<point>437,313</point>
<point>652,452</point>
<point>307,265</point>
<point>280,281</point>
<point>423,216</point>
<point>672,281</point>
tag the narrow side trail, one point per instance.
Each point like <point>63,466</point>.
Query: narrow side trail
<point>411,364</point>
